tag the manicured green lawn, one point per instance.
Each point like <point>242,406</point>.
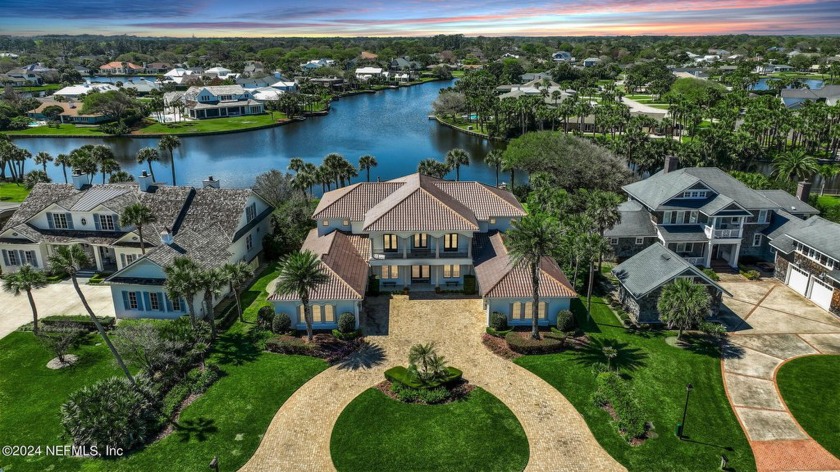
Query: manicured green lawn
<point>828,201</point>
<point>228,420</point>
<point>38,88</point>
<point>810,386</point>
<point>12,192</point>
<point>376,432</point>
<point>212,125</point>
<point>659,374</point>
<point>62,130</point>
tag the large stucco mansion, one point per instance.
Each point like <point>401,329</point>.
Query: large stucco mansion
<point>424,234</point>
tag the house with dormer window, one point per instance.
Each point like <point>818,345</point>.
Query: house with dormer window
<point>422,234</point>
<point>210,225</point>
<point>218,101</point>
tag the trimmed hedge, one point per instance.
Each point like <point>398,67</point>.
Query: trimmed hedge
<point>82,322</point>
<point>346,336</point>
<point>347,323</point>
<point>469,284</point>
<point>281,323</point>
<point>549,343</point>
<point>565,321</point>
<point>265,316</point>
<point>428,396</point>
<point>285,344</point>
<point>399,374</point>
<point>497,333</point>
<point>498,321</point>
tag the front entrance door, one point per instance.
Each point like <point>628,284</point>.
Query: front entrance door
<point>420,273</point>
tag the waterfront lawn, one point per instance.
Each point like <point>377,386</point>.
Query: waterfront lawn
<point>228,420</point>
<point>375,432</point>
<point>213,125</point>
<point>38,88</point>
<point>64,129</point>
<point>809,386</point>
<point>12,192</point>
<point>658,373</point>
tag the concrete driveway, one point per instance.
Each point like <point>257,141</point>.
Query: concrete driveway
<point>770,324</point>
<point>54,299</point>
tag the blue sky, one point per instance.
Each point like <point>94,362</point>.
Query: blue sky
<point>418,17</point>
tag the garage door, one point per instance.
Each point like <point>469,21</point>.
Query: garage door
<point>821,294</point>
<point>798,280</point>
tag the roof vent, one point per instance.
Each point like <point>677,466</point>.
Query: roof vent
<point>211,182</point>
<point>667,257</point>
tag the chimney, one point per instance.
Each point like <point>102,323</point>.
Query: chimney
<point>803,190</point>
<point>210,182</point>
<point>80,181</point>
<point>672,163</point>
<point>166,237</point>
<point>145,180</point>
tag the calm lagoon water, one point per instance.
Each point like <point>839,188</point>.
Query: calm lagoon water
<point>392,125</point>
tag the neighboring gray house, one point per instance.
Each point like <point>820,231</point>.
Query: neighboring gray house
<point>794,98</point>
<point>633,233</point>
<point>709,217</point>
<point>211,225</point>
<point>642,277</point>
<point>808,259</point>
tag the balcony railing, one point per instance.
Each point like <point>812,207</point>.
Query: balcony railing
<point>719,233</point>
<point>415,254</point>
<point>698,261</point>
<point>453,254</point>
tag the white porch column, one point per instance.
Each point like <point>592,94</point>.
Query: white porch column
<point>709,255</point>
<point>733,261</point>
<point>356,309</point>
<point>97,258</point>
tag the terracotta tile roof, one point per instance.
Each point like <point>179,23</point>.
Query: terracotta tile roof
<point>418,202</point>
<point>419,205</point>
<point>498,277</point>
<point>344,259</point>
<point>354,200</point>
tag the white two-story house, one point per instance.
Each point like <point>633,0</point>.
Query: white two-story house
<point>210,225</point>
<point>420,233</point>
<point>217,101</point>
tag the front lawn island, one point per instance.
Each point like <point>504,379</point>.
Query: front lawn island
<point>228,420</point>
<point>658,374</point>
<point>376,432</point>
<point>809,386</point>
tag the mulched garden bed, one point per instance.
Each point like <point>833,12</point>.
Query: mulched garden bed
<point>458,392</point>
<point>324,346</point>
<point>499,347</point>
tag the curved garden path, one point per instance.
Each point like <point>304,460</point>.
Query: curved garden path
<point>298,437</point>
<point>772,325</point>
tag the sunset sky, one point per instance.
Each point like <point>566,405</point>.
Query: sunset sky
<point>418,17</point>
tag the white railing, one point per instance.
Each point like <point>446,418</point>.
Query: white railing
<point>698,261</point>
<point>729,233</point>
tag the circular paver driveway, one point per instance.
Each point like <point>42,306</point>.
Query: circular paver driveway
<point>299,435</point>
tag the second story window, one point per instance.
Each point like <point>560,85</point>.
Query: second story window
<point>421,240</point>
<point>106,222</point>
<point>249,242</point>
<point>390,242</point>
<point>251,212</point>
<point>450,242</point>
<point>60,220</point>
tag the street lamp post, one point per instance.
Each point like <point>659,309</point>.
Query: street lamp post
<point>681,425</point>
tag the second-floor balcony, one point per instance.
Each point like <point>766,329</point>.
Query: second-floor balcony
<point>730,232</point>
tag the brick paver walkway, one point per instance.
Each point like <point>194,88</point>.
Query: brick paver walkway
<point>772,325</point>
<point>299,436</point>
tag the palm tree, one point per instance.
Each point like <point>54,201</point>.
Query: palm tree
<point>300,273</point>
<point>683,304</point>
<point>108,166</point>
<point>602,208</point>
<point>69,259</point>
<point>148,155</point>
<point>457,158</point>
<point>366,162</point>
<point>103,156</point>
<point>63,160</point>
<point>433,168</point>
<point>794,165</point>
<point>826,171</point>
<point>169,143</point>
<point>530,240</point>
<point>296,164</point>
<point>494,160</point>
<point>211,282</point>
<point>43,158</point>
<point>182,282</point>
<point>594,247</point>
<point>26,279</point>
<point>138,215</point>
<point>236,276</point>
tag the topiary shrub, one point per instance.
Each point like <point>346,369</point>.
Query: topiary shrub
<point>112,412</point>
<point>565,321</point>
<point>611,389</point>
<point>281,323</point>
<point>548,343</point>
<point>265,317</point>
<point>498,321</point>
<point>346,323</point>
